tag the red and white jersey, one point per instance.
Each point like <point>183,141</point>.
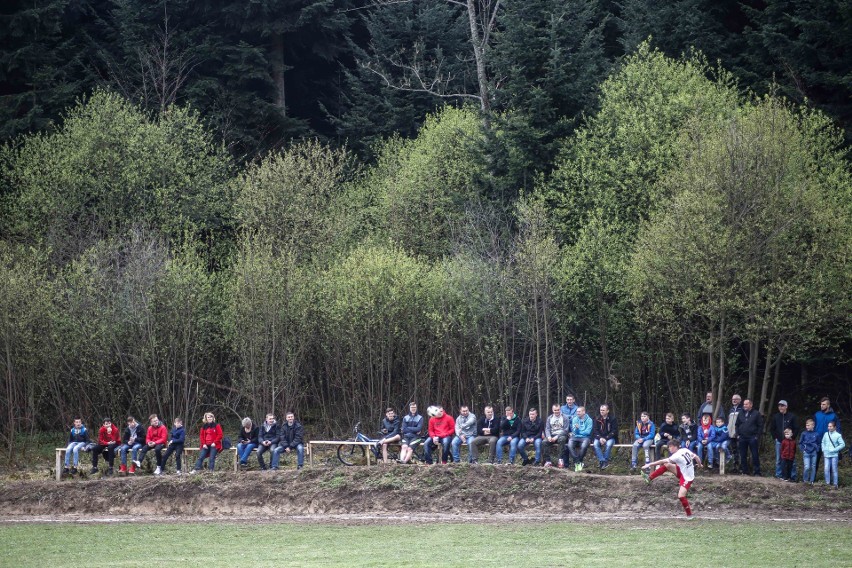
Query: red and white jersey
<point>684,460</point>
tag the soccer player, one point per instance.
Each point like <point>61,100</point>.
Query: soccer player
<point>681,462</point>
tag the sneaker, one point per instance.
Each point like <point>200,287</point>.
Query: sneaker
<point>298,467</point>
<point>548,464</point>
<point>132,468</point>
<point>605,465</point>
<point>525,461</point>
<point>193,471</point>
<point>633,468</point>
<point>122,468</point>
<point>109,472</point>
<point>690,517</point>
<point>561,463</point>
<point>93,470</point>
<point>577,467</point>
<point>158,471</point>
<point>137,463</point>
<point>646,477</point>
<point>73,471</point>
<point>580,466</point>
<point>178,472</point>
<point>66,471</point>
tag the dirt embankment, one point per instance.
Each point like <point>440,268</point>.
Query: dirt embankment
<point>477,491</point>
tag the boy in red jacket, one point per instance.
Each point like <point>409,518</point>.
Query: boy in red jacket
<point>442,428</point>
<point>788,455</point>
<point>210,438</point>
<point>108,442</point>
<point>155,439</point>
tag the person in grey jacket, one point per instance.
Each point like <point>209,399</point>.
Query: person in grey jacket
<point>465,434</point>
<point>556,431</point>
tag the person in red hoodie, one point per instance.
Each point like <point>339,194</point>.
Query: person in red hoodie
<point>155,439</point>
<point>210,438</point>
<point>442,429</point>
<point>108,441</point>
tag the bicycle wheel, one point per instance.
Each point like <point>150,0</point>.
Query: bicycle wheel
<point>351,455</point>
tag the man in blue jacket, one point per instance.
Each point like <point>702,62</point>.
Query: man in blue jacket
<point>581,436</point>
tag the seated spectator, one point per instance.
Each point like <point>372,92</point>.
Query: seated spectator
<point>109,441</point>
<point>465,434</point>
<point>267,439</point>
<point>667,431</point>
<point>155,439</point>
<point>510,428</point>
<point>705,433</point>
<point>605,434</point>
<point>442,428</point>
<point>721,442</point>
<point>556,431</point>
<point>643,437</point>
<point>688,436</point>
<point>247,441</point>
<point>177,440</point>
<point>412,428</point>
<point>77,440</point>
<point>531,432</point>
<point>581,436</point>
<point>210,441</point>
<point>487,428</point>
<point>290,441</point>
<point>390,432</point>
<point>132,440</point>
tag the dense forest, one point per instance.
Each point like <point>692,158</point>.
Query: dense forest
<point>336,205</point>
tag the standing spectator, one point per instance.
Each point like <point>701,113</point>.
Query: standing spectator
<point>412,427</point>
<point>832,445</point>
<point>77,440</point>
<point>688,434</point>
<point>788,455</point>
<point>177,440</point>
<point>465,434</point>
<point>782,420</point>
<point>733,414</point>
<point>582,427</point>
<point>532,429</point>
<point>108,442</point>
<point>721,442</point>
<point>155,439</point>
<point>556,431</point>
<point>809,442</point>
<point>487,428</point>
<point>267,439</point>
<point>569,409</point>
<point>133,439</point>
<point>291,439</point>
<point>246,441</point>
<point>605,433</point>
<point>822,417</point>
<point>210,440</point>
<point>643,437</point>
<point>390,432</point>
<point>442,428</point>
<point>707,407</point>
<point>510,429</point>
<point>749,428</point>
<point>668,430</point>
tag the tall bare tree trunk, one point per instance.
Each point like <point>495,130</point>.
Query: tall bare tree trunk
<point>479,55</point>
<point>753,352</point>
<point>278,69</point>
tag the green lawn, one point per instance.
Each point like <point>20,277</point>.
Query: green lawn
<point>644,542</point>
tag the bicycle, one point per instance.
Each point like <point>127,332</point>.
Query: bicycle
<point>352,455</point>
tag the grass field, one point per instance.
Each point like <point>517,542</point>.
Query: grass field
<point>701,542</point>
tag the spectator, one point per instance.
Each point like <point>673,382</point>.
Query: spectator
<point>556,430</point>
<point>643,437</point>
<point>267,439</point>
<point>390,432</point>
<point>668,430</point>
<point>247,441</point>
<point>510,428</point>
<point>707,407</point>
<point>532,429</point>
<point>704,436</point>
<point>109,441</point>
<point>465,434</point>
<point>155,439</point>
<point>569,409</point>
<point>581,436</point>
<point>77,440</point>
<point>721,442</point>
<point>442,428</point>
<point>809,442</point>
<point>605,434</point>
<point>832,445</point>
<point>749,428</point>
<point>788,455</point>
<point>290,440</point>
<point>210,440</point>
<point>177,440</point>
<point>780,422</point>
<point>133,439</point>
<point>412,427</point>
<point>736,409</point>
<point>822,417</point>
<point>487,428</point>
<point>688,434</point>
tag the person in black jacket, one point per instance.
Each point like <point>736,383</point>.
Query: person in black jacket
<point>668,430</point>
<point>132,440</point>
<point>487,428</point>
<point>267,438</point>
<point>390,432</point>
<point>290,439</point>
<point>510,429</point>
<point>532,429</point>
<point>246,441</point>
<point>605,434</point>
<point>780,422</point>
<point>749,429</point>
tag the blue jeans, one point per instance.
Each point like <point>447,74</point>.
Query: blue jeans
<point>208,451</point>
<point>244,451</point>
<point>578,454</point>
<point>456,447</point>
<point>502,441</point>
<point>605,455</point>
<point>73,448</point>
<point>640,443</point>
<point>778,462</point>
<point>715,447</point>
<point>830,470</point>
<point>809,463</point>
<point>134,452</point>
<point>430,445</point>
<point>520,448</point>
<point>703,450</point>
<point>261,449</point>
<point>279,451</point>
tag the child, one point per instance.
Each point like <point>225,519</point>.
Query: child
<point>788,455</point>
<point>643,437</point>
<point>687,432</point>
<point>667,431</point>
<point>177,438</point>
<point>108,441</point>
<point>77,440</point>
<point>133,439</point>
<point>705,433</point>
<point>809,443</point>
<point>681,464</point>
<point>721,442</point>
<point>210,438</point>
<point>832,445</point>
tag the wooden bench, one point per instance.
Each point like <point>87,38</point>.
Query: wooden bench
<point>232,449</point>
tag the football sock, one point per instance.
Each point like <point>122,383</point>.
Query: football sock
<point>686,506</point>
<point>661,469</point>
